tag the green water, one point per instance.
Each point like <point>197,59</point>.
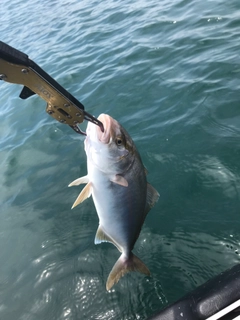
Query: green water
<point>168,71</point>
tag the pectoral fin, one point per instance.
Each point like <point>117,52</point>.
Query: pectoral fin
<point>118,179</point>
<point>79,181</point>
<point>101,236</point>
<point>152,197</point>
<point>84,194</point>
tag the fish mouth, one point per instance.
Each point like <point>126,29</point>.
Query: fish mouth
<point>105,136</point>
<point>107,122</point>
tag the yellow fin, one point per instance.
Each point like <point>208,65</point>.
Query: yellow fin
<point>101,236</point>
<point>152,197</point>
<point>84,194</point>
<point>118,179</point>
<point>79,181</point>
<point>124,265</point>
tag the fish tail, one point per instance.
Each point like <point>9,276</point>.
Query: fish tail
<point>124,265</point>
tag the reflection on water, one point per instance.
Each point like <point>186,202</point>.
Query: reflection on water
<point>209,171</point>
<point>75,287</point>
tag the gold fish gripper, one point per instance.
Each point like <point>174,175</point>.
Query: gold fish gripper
<point>16,67</point>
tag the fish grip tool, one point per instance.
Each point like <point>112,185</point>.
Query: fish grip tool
<point>16,67</point>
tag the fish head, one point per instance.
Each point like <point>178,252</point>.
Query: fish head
<point>111,149</point>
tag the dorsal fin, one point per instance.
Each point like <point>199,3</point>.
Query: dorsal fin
<point>79,181</point>
<point>101,236</point>
<point>152,198</point>
<point>84,194</point>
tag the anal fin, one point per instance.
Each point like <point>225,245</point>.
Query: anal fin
<point>101,236</point>
<point>84,194</point>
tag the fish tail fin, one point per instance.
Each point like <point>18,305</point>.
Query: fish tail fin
<point>124,265</point>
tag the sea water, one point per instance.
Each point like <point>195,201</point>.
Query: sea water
<point>168,71</point>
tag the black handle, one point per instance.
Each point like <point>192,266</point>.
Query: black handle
<point>16,67</point>
<point>13,55</point>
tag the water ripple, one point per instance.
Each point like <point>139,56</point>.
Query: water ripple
<point>168,71</point>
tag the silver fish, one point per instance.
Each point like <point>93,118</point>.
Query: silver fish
<point>122,196</point>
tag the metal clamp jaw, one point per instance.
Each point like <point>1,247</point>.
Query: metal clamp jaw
<point>16,67</point>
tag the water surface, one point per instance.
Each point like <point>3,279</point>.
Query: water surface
<point>168,71</point>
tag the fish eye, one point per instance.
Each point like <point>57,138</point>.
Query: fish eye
<point>119,141</point>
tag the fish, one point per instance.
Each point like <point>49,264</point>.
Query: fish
<point>116,180</point>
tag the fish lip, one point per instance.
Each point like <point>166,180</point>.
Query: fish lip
<point>105,135</point>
